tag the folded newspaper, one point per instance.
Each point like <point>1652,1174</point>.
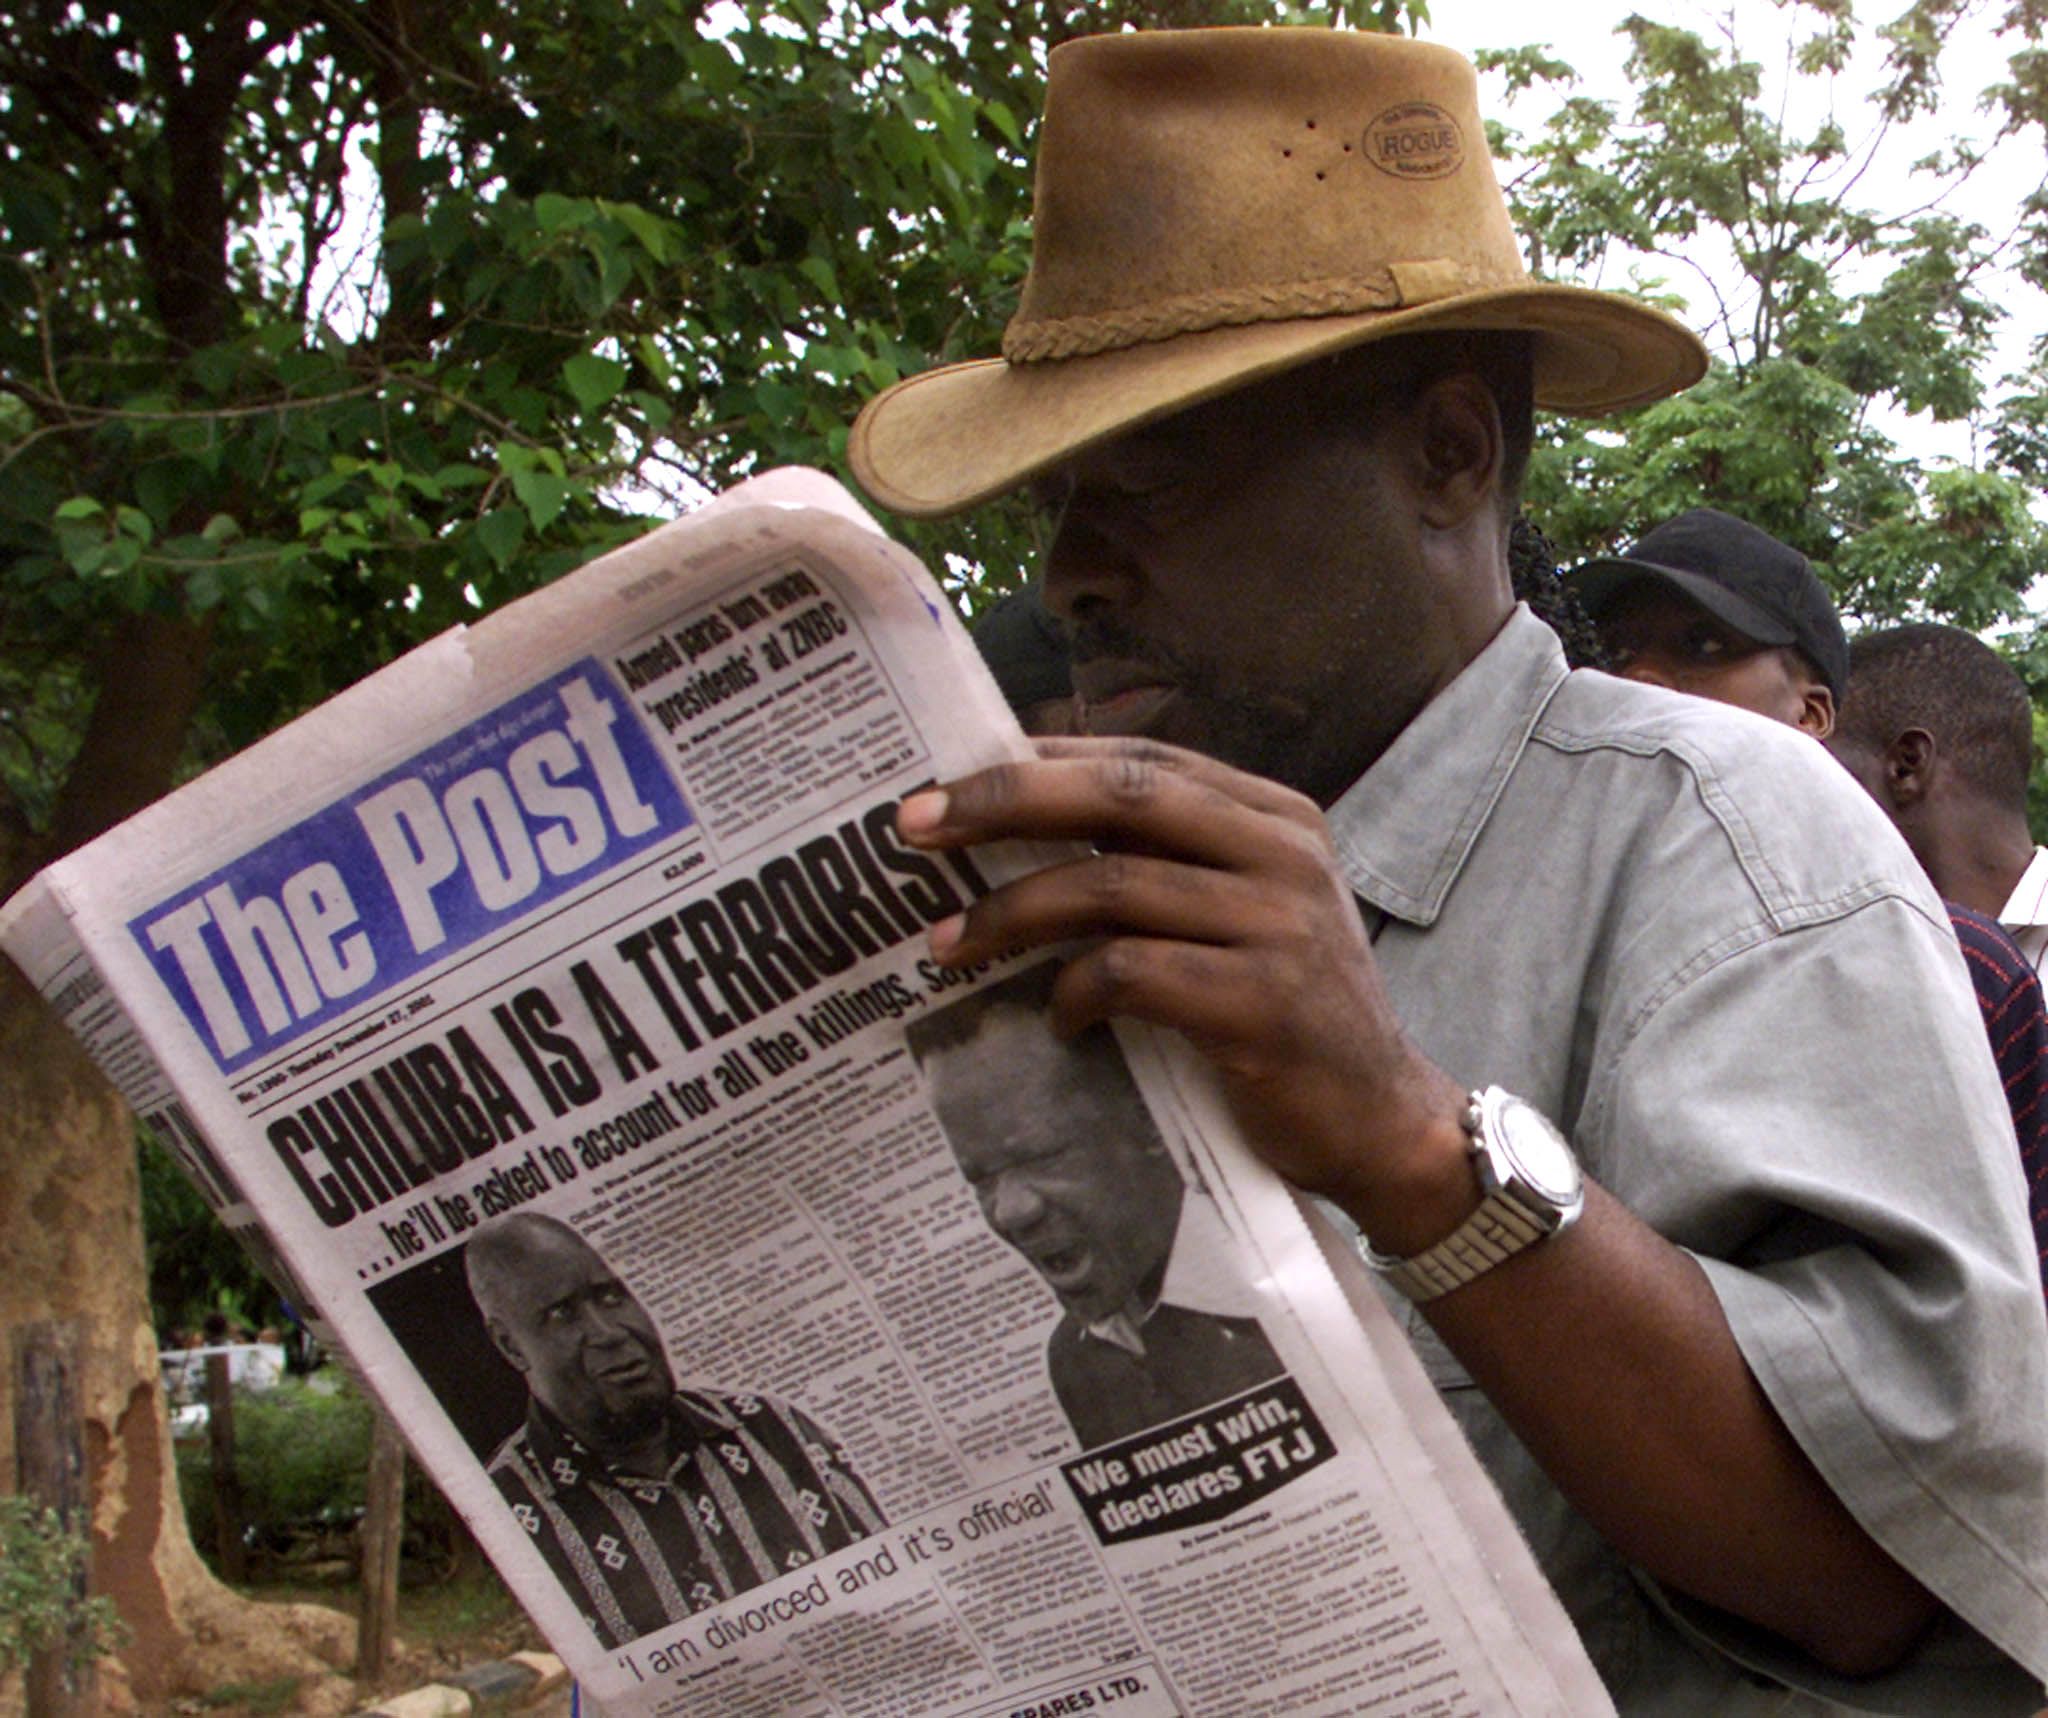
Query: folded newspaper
<point>798,1325</point>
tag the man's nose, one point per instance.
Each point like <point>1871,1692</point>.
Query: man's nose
<point>1086,567</point>
<point>1015,1207</point>
<point>604,1328</point>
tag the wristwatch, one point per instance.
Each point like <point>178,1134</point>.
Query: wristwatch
<point>1532,1189</point>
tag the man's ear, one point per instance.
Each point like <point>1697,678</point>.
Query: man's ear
<point>1456,451</point>
<point>507,1345</point>
<point>1909,765</point>
<point>1817,711</point>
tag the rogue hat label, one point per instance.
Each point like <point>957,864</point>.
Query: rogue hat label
<point>1416,140</point>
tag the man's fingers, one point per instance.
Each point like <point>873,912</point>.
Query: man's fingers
<point>1209,994</point>
<point>1135,798</point>
<point>1112,894</point>
<point>1254,791</point>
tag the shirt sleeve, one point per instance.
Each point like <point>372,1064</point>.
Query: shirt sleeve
<point>1814,1114</point>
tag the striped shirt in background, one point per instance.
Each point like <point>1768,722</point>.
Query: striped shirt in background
<point>2010,996</point>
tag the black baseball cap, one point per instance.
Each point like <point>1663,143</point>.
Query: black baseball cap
<point>1764,589</point>
<point>1025,649</point>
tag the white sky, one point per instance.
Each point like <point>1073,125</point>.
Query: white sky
<point>1586,38</point>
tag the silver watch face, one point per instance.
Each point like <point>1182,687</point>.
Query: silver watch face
<point>1539,1153</point>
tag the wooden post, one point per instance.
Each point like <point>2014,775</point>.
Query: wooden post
<point>227,1487</point>
<point>383,1532</point>
<point>50,1465</point>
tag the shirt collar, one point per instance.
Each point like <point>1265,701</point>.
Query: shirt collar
<point>2029,903</point>
<point>550,1437</point>
<point>1200,1245</point>
<point>1192,1281</point>
<point>1404,828</point>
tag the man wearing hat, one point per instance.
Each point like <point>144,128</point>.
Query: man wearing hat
<point>1536,977</point>
<point>1711,605</point>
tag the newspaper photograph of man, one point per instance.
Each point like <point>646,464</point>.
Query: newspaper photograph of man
<point>649,1499</point>
<point>1070,1169</point>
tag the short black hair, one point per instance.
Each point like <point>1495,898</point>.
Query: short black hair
<point>1534,578</point>
<point>1956,687</point>
<point>958,1024</point>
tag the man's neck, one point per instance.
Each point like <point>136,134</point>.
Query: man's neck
<point>647,1459</point>
<point>1977,860</point>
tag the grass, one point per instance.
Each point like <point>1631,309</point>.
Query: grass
<point>443,1625</point>
<point>256,1699</point>
<point>449,1613</point>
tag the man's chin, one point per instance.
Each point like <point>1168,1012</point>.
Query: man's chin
<point>1091,1305</point>
<point>639,1415</point>
<point>1265,740</point>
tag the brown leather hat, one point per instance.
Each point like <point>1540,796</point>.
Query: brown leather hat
<point>1218,206</point>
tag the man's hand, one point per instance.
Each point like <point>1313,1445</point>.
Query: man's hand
<point>1220,911</point>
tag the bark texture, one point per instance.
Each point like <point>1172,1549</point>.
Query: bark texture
<point>70,1231</point>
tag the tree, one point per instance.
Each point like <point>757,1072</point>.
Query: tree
<point>1824,312</point>
<point>324,327</point>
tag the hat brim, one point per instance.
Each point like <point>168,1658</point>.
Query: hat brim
<point>954,437</point>
<point>1598,582</point>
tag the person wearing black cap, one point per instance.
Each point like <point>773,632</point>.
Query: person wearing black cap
<point>1026,651</point>
<point>1709,604</point>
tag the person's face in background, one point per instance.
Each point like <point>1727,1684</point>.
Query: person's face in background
<point>1663,638</point>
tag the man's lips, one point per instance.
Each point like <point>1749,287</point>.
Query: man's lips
<point>1112,697</point>
<point>632,1371</point>
<point>1066,1265</point>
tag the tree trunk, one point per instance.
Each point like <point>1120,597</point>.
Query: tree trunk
<point>50,1465</point>
<point>71,1233</point>
<point>227,1487</point>
<point>70,1197</point>
<point>383,1536</point>
<point>70,1230</point>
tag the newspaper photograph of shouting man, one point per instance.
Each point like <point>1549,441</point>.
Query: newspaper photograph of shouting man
<point>1070,1169</point>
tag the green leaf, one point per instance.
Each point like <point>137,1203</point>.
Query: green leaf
<point>543,494</point>
<point>655,236</point>
<point>162,487</point>
<point>501,531</point>
<point>593,380</point>
<point>204,588</point>
<point>819,271</point>
<point>554,211</point>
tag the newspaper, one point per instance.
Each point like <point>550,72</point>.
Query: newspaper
<point>799,1327</point>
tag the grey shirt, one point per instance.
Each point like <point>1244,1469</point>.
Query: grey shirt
<point>1684,934</point>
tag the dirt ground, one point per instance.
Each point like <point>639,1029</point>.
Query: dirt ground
<point>443,1627</point>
